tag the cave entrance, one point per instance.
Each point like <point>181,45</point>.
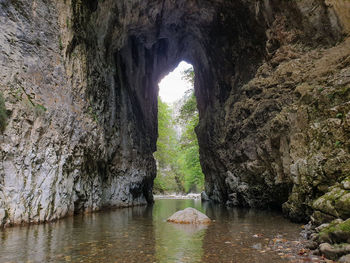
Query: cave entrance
<point>177,155</point>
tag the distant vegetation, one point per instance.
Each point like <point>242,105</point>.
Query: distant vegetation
<point>177,153</point>
<point>3,115</point>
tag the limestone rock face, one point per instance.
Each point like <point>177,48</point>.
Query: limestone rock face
<point>80,78</point>
<point>189,216</point>
<point>65,150</point>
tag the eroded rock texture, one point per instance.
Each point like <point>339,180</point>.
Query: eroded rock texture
<point>80,83</point>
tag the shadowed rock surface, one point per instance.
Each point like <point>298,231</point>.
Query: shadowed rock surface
<point>80,78</point>
<point>189,216</point>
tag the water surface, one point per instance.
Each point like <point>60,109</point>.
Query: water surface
<point>141,234</point>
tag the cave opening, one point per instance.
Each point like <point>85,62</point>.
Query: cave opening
<point>177,156</point>
<point>226,51</point>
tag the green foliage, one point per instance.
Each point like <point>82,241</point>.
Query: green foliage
<point>166,182</point>
<point>3,114</point>
<point>338,144</point>
<point>167,179</point>
<point>178,158</point>
<point>335,226</point>
<point>166,144</point>
<point>339,115</point>
<point>189,108</point>
<point>188,75</point>
<point>193,175</point>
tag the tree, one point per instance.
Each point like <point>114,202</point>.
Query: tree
<point>188,117</point>
<point>168,179</point>
<point>179,168</point>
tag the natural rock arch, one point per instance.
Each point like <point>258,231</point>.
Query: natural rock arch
<point>101,120</point>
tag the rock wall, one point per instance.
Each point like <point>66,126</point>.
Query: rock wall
<point>80,84</point>
<point>65,150</point>
<point>275,132</point>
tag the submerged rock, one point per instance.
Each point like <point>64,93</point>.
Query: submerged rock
<point>190,229</point>
<point>189,216</point>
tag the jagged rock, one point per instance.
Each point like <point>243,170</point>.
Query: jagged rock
<point>189,216</point>
<point>204,196</point>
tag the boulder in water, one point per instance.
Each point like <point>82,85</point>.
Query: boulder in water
<point>189,216</point>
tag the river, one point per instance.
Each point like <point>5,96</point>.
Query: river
<point>141,234</point>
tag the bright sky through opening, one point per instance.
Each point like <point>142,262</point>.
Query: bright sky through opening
<point>172,87</point>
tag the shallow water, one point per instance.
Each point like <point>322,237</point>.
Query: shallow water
<point>141,234</point>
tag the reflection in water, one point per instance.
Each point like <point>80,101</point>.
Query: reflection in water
<point>189,229</point>
<point>114,236</point>
<point>141,234</point>
<point>242,233</point>
<point>176,242</point>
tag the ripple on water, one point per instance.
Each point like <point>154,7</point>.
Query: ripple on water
<point>141,234</point>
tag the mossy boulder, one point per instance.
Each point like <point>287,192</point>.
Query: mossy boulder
<point>334,251</point>
<point>333,204</point>
<point>346,183</point>
<point>337,231</point>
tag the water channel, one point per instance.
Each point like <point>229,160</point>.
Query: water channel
<point>141,234</point>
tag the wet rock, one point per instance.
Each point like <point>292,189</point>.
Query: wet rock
<point>335,251</point>
<point>189,216</point>
<point>336,203</point>
<point>346,184</point>
<point>311,245</point>
<point>338,231</point>
<point>204,196</point>
<point>344,259</point>
<point>308,231</point>
<point>323,226</point>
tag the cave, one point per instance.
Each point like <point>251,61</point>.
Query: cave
<point>208,36</point>
<point>87,138</point>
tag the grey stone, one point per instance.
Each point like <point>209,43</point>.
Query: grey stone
<point>344,259</point>
<point>204,196</point>
<point>189,216</point>
<point>335,251</point>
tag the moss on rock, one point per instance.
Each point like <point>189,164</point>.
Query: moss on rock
<point>335,203</point>
<point>3,114</point>
<point>336,232</point>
